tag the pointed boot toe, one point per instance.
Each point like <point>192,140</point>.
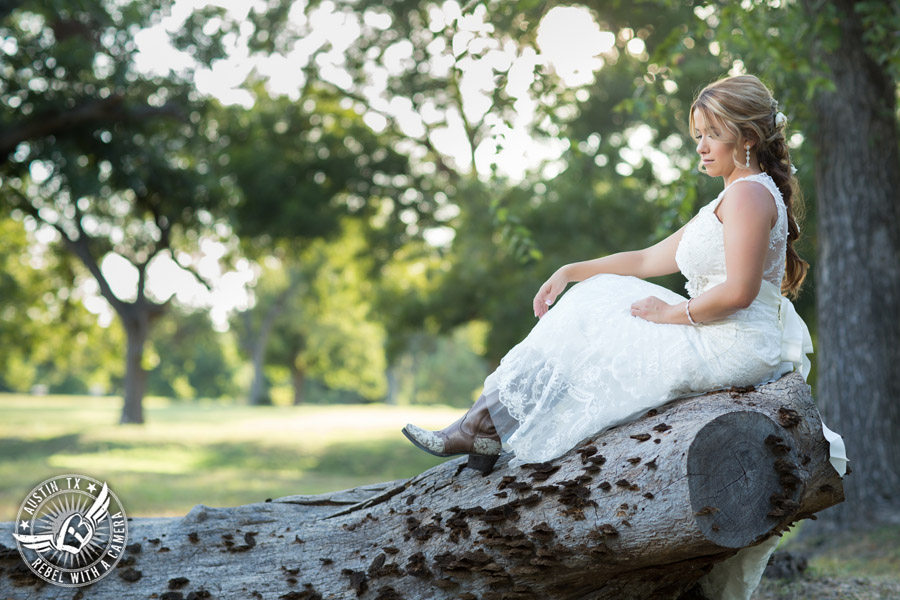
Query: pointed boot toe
<point>429,441</point>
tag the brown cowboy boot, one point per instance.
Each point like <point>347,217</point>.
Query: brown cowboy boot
<point>473,434</point>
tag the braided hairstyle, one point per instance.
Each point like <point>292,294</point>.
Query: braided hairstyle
<point>744,107</point>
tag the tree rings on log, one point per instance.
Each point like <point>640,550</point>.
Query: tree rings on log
<point>742,478</point>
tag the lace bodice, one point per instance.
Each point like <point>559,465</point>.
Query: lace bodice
<point>701,253</point>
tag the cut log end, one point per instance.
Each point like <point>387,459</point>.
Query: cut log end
<point>740,478</point>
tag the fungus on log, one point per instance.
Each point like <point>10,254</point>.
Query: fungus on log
<point>642,510</point>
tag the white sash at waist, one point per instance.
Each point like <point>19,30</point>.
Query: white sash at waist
<point>796,343</point>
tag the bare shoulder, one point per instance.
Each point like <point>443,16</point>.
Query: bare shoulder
<point>747,201</point>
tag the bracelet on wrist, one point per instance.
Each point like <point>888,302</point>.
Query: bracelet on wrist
<point>687,311</point>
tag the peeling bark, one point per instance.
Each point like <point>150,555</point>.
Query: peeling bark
<point>640,511</point>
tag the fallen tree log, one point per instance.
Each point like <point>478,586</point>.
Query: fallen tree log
<point>640,511</point>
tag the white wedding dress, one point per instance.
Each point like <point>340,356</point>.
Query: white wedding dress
<point>589,364</point>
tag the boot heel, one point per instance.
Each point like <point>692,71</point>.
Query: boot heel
<point>482,462</point>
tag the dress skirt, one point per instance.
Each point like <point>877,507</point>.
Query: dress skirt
<point>589,364</point>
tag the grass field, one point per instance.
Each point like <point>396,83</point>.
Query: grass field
<point>206,452</point>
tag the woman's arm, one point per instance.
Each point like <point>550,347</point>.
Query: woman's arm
<point>654,261</point>
<point>747,212</point>
<point>621,263</point>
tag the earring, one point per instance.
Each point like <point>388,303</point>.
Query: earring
<point>748,156</point>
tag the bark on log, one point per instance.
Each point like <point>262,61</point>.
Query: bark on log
<point>640,511</point>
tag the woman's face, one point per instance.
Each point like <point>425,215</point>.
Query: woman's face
<point>716,153</point>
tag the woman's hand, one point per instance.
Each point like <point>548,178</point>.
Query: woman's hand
<point>546,296</point>
<point>652,309</point>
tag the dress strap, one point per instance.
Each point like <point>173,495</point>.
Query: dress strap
<point>767,182</point>
<point>763,178</point>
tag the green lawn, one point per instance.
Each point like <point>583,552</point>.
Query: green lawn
<point>205,452</point>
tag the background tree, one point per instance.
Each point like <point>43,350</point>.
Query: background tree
<point>311,319</point>
<point>299,169</point>
<point>276,288</point>
<point>189,359</point>
<point>110,159</point>
<point>857,166</point>
<point>48,339</point>
<point>327,332</point>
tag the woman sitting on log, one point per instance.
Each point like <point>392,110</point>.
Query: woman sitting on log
<point>615,345</point>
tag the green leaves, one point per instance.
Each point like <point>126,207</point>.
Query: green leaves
<point>881,22</point>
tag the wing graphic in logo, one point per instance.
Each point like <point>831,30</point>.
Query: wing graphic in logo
<point>97,511</point>
<point>40,542</point>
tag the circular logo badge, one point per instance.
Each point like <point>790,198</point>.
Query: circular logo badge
<point>71,530</point>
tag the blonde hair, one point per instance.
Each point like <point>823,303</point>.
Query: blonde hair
<point>744,107</point>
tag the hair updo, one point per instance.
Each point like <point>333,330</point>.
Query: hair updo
<point>744,107</point>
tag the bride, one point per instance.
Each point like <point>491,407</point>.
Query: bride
<point>615,345</point>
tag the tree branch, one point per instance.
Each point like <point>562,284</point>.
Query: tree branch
<point>154,309</point>
<point>79,247</point>
<point>106,110</point>
<point>190,269</point>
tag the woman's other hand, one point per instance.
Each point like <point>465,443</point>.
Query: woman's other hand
<point>652,309</point>
<point>546,296</point>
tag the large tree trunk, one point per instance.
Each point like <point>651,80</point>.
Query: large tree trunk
<point>298,379</point>
<point>138,318</point>
<point>259,392</point>
<point>137,330</point>
<point>858,271</point>
<point>259,389</point>
<point>641,511</point>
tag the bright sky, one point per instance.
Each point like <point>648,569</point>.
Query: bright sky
<point>568,39</point>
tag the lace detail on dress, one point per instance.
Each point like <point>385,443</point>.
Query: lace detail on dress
<point>589,364</point>
<point>701,254</point>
